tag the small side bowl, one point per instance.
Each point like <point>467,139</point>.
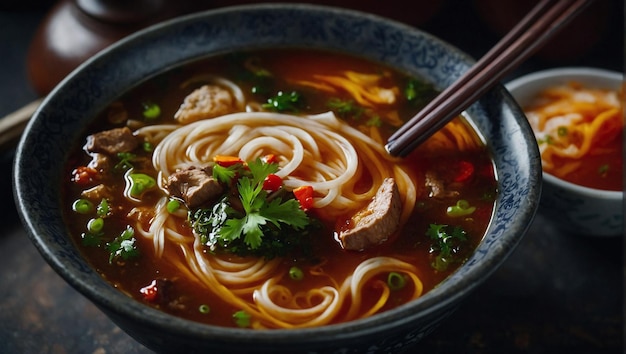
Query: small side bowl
<point>574,208</point>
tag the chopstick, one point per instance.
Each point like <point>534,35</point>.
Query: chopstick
<point>13,124</point>
<point>533,31</point>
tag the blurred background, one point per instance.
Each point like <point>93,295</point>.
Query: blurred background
<point>556,293</point>
<point>52,37</point>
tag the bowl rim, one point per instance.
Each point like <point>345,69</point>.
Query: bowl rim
<point>585,72</point>
<point>597,77</point>
<point>430,302</point>
<point>582,190</point>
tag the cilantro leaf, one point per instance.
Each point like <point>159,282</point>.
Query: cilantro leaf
<point>124,246</point>
<point>260,170</point>
<point>224,174</point>
<point>447,244</point>
<point>103,208</point>
<point>288,213</point>
<point>285,102</point>
<point>126,161</point>
<point>345,108</point>
<point>252,230</point>
<point>232,229</point>
<point>374,121</point>
<point>91,239</point>
<point>419,92</point>
<point>249,194</point>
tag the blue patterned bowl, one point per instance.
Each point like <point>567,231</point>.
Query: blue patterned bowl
<point>76,101</point>
<point>574,208</point>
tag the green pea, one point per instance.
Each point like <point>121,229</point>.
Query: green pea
<point>82,206</point>
<point>172,205</point>
<point>296,273</point>
<point>95,225</point>
<point>151,110</point>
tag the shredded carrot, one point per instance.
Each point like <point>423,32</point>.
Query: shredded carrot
<point>226,161</point>
<point>366,89</point>
<point>454,135</point>
<point>573,123</point>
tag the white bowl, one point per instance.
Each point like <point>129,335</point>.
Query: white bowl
<point>574,208</point>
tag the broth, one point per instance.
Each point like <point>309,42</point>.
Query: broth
<point>159,257</point>
<point>580,134</point>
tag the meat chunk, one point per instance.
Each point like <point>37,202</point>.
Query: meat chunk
<point>208,101</point>
<point>112,141</point>
<point>100,162</point>
<point>377,221</point>
<point>97,193</point>
<point>437,186</point>
<point>194,186</point>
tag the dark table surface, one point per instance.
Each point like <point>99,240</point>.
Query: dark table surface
<point>556,293</point>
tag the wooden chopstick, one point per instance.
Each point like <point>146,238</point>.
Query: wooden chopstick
<point>533,31</point>
<point>12,125</point>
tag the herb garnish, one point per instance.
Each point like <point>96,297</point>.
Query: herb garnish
<point>285,102</point>
<point>447,244</point>
<point>123,246</point>
<point>256,223</point>
<point>603,170</point>
<point>242,319</point>
<point>126,161</point>
<point>345,108</point>
<point>419,92</point>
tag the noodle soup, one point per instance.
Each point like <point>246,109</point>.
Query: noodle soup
<point>579,129</point>
<point>253,190</point>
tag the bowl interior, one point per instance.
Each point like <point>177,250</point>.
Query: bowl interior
<point>76,101</point>
<point>526,87</point>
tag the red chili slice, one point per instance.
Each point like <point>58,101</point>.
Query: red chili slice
<point>272,182</point>
<point>304,195</point>
<point>84,175</point>
<point>227,161</point>
<point>150,292</point>
<point>466,170</point>
<point>270,158</point>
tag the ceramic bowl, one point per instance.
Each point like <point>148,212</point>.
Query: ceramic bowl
<point>574,208</point>
<point>78,98</point>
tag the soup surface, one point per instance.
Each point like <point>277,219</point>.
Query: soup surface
<point>253,190</point>
<point>579,130</point>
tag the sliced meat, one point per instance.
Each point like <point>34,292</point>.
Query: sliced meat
<point>112,141</point>
<point>437,187</point>
<point>376,222</point>
<point>100,162</point>
<point>208,101</point>
<point>194,186</point>
<point>97,192</point>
